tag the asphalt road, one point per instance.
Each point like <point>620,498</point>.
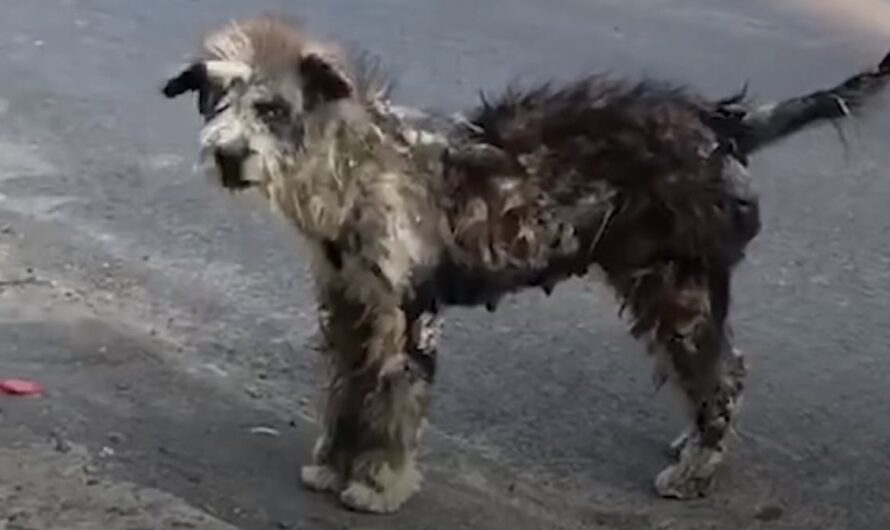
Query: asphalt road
<point>168,319</point>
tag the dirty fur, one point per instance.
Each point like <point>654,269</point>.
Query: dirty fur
<point>645,182</point>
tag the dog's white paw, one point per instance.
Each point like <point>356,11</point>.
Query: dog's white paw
<point>693,476</point>
<point>396,488</point>
<point>320,478</point>
<point>363,498</point>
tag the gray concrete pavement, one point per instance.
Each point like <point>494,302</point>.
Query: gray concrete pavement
<point>168,319</point>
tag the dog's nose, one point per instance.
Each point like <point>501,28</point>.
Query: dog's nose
<point>229,158</point>
<point>234,150</point>
<point>229,161</point>
<point>228,164</point>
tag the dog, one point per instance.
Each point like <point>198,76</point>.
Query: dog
<point>645,182</point>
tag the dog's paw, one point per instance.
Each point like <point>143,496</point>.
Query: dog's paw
<point>693,476</point>
<point>674,483</point>
<point>363,498</point>
<point>392,491</point>
<point>320,478</point>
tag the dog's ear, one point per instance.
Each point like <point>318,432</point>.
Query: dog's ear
<point>323,80</point>
<point>201,75</point>
<point>194,77</point>
<point>210,79</point>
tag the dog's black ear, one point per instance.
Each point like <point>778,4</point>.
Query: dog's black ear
<point>194,77</point>
<point>323,81</point>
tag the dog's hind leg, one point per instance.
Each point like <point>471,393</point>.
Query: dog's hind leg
<point>692,331</point>
<point>683,308</point>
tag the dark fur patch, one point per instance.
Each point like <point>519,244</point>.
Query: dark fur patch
<point>333,253</point>
<point>426,363</point>
<point>192,78</point>
<point>748,129</point>
<point>621,176</point>
<point>322,81</point>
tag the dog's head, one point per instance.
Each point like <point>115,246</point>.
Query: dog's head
<point>259,84</point>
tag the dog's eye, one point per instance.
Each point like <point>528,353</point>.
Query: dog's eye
<point>275,110</point>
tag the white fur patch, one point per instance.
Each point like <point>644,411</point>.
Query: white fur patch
<point>679,443</point>
<point>224,72</point>
<point>691,477</point>
<point>224,130</point>
<point>320,478</point>
<point>396,489</point>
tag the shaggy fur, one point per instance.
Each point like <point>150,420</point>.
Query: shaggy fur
<point>645,182</point>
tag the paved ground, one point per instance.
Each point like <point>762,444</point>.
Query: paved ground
<point>168,320</point>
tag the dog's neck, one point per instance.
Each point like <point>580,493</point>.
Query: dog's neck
<point>344,152</point>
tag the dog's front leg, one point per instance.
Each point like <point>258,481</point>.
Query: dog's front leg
<point>342,341</point>
<point>383,473</point>
<point>377,402</point>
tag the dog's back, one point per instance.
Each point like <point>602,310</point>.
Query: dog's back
<point>548,182</point>
<point>542,183</point>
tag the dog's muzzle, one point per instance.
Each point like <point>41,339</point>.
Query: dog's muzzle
<point>230,163</point>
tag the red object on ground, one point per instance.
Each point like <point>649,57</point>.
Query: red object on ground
<point>20,387</point>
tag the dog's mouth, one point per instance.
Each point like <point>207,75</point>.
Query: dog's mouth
<point>231,171</point>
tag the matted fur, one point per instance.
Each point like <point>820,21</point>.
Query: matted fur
<point>644,182</point>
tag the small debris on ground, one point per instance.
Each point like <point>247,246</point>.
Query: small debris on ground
<point>18,282</point>
<point>20,387</point>
<point>59,443</point>
<point>770,512</point>
<point>268,431</point>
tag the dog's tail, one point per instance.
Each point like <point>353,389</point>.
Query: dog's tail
<point>752,129</point>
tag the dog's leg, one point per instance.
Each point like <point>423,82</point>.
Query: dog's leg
<point>700,450</point>
<point>342,341</point>
<point>682,307</point>
<point>691,330</point>
<point>321,475</point>
<point>383,473</point>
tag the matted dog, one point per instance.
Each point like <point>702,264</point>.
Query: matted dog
<point>646,182</point>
